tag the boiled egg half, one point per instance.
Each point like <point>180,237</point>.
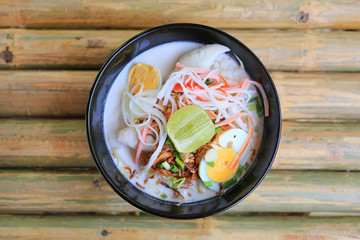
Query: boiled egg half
<point>215,166</point>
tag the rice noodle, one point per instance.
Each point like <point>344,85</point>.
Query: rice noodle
<point>216,97</point>
<point>133,107</point>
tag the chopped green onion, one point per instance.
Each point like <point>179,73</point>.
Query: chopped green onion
<point>211,164</point>
<point>252,100</point>
<point>176,183</point>
<point>163,195</point>
<point>251,107</point>
<point>246,166</point>
<point>160,165</point>
<point>239,171</point>
<point>208,184</point>
<point>207,81</point>
<point>218,129</point>
<point>174,168</point>
<point>254,105</point>
<point>176,154</point>
<point>168,142</point>
<point>229,183</point>
<point>172,179</point>
<point>166,165</point>
<point>234,179</point>
<point>181,164</point>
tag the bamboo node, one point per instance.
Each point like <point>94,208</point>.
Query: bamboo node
<point>302,17</point>
<point>97,183</point>
<point>7,55</point>
<point>104,233</point>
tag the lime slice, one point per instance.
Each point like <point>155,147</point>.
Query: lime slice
<point>189,128</point>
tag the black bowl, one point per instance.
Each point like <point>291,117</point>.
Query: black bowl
<point>96,106</point>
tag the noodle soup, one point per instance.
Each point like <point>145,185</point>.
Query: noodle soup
<point>183,121</point>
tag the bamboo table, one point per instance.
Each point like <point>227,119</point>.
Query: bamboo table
<point>50,54</point>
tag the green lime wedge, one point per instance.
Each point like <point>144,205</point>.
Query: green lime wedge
<point>189,128</point>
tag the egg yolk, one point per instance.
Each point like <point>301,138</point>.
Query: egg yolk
<point>221,171</point>
<point>145,74</point>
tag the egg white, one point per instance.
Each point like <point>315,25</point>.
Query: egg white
<point>204,177</point>
<point>235,135</point>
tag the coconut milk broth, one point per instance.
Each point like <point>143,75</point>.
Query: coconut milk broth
<point>164,58</point>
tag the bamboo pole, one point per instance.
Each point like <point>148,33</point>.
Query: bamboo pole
<point>89,49</point>
<point>150,227</point>
<point>281,191</point>
<point>62,143</point>
<point>65,93</point>
<point>225,14</point>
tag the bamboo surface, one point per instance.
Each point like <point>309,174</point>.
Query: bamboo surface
<point>146,13</point>
<point>302,50</point>
<point>148,227</point>
<point>62,143</point>
<point>281,191</point>
<point>65,94</point>
<point>50,53</point>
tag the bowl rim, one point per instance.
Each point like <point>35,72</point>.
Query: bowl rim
<point>91,143</point>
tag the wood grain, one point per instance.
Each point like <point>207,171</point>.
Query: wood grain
<point>60,49</point>
<point>65,94</point>
<point>226,14</point>
<point>50,52</point>
<point>150,227</point>
<point>89,49</point>
<point>332,146</point>
<point>44,143</point>
<point>62,143</point>
<point>45,93</point>
<point>281,191</point>
<point>326,96</point>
